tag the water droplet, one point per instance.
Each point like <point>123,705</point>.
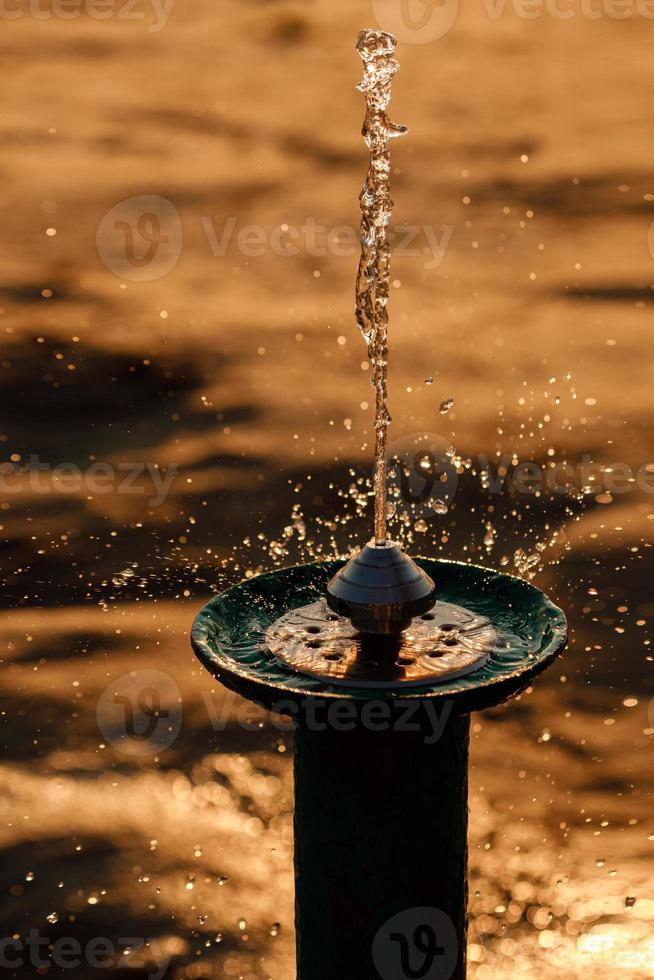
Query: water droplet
<point>524,562</point>
<point>489,537</point>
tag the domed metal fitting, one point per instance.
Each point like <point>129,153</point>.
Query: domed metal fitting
<point>381,590</point>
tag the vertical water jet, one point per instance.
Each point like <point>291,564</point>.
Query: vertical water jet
<point>373,277</point>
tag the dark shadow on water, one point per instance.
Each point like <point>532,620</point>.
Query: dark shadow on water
<point>76,400</point>
<point>69,646</point>
<point>70,728</point>
<point>618,293</point>
<point>570,196</point>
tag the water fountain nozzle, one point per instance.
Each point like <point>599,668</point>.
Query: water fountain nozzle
<point>381,590</point>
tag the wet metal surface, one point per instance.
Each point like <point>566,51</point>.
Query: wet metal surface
<point>230,635</point>
<point>445,643</point>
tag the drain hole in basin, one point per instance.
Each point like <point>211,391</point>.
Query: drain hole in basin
<point>313,629</point>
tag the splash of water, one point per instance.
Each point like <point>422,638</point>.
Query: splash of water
<point>373,278</point>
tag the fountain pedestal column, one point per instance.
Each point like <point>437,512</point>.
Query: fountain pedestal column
<point>381,808</point>
<point>381,834</point>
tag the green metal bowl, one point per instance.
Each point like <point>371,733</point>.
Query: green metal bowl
<point>228,636</point>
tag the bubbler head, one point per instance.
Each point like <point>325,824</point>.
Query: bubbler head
<point>381,590</point>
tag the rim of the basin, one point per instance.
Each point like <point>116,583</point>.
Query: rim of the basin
<point>491,691</point>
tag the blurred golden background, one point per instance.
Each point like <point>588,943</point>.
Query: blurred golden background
<point>158,160</point>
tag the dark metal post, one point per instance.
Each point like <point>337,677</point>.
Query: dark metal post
<point>380,829</point>
<point>380,777</point>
